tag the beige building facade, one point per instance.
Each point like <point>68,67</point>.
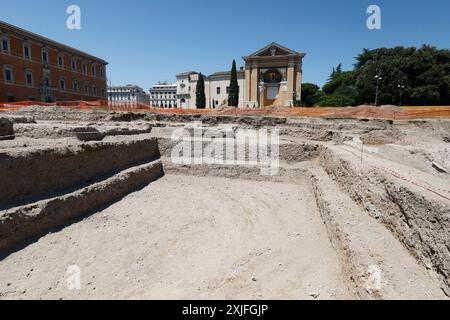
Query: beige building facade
<point>272,76</point>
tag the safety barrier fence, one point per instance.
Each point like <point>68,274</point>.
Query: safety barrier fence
<point>387,113</point>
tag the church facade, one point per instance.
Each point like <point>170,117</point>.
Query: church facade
<point>272,76</point>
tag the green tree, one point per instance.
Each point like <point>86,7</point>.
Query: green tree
<point>309,94</point>
<point>233,93</point>
<point>425,73</point>
<point>200,93</point>
<point>333,73</point>
<point>335,100</point>
<point>342,82</point>
<point>339,90</point>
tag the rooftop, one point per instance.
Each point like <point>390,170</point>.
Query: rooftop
<point>186,73</point>
<point>127,87</point>
<point>164,85</point>
<point>226,73</point>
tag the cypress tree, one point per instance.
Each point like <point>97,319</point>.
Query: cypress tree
<point>200,93</point>
<point>233,93</point>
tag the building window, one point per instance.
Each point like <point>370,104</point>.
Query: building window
<point>8,74</point>
<point>228,90</point>
<point>74,65</point>
<point>61,61</point>
<point>27,51</point>
<point>75,86</point>
<point>94,70</point>
<point>102,72</point>
<point>5,44</point>
<point>84,68</point>
<point>29,77</point>
<point>86,88</point>
<point>94,90</point>
<point>218,90</point>
<point>62,84</point>
<point>45,55</point>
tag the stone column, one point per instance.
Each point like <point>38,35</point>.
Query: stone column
<point>247,84</point>
<point>298,84</point>
<point>254,82</point>
<point>261,90</point>
<point>290,82</point>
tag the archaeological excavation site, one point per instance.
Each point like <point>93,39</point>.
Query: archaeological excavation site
<point>349,208</point>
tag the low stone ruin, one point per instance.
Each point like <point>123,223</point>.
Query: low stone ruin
<point>6,129</point>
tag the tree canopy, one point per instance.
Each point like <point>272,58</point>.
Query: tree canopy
<point>420,75</point>
<point>425,73</point>
<point>310,94</point>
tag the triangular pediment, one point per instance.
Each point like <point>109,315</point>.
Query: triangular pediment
<point>272,50</point>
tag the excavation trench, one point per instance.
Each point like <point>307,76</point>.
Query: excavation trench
<point>154,227</point>
<point>412,230</point>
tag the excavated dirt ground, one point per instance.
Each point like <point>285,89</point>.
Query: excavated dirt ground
<point>188,237</point>
<point>352,196</point>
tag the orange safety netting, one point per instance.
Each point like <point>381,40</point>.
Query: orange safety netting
<point>390,113</point>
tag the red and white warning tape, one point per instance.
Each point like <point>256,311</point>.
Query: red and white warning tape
<point>436,191</point>
<point>429,188</point>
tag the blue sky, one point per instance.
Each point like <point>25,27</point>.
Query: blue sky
<point>150,40</point>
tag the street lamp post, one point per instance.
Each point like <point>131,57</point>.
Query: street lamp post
<point>401,86</point>
<point>379,78</point>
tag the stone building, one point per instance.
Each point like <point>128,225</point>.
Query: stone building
<point>33,67</point>
<point>272,76</point>
<point>164,96</point>
<point>129,94</point>
<point>186,84</point>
